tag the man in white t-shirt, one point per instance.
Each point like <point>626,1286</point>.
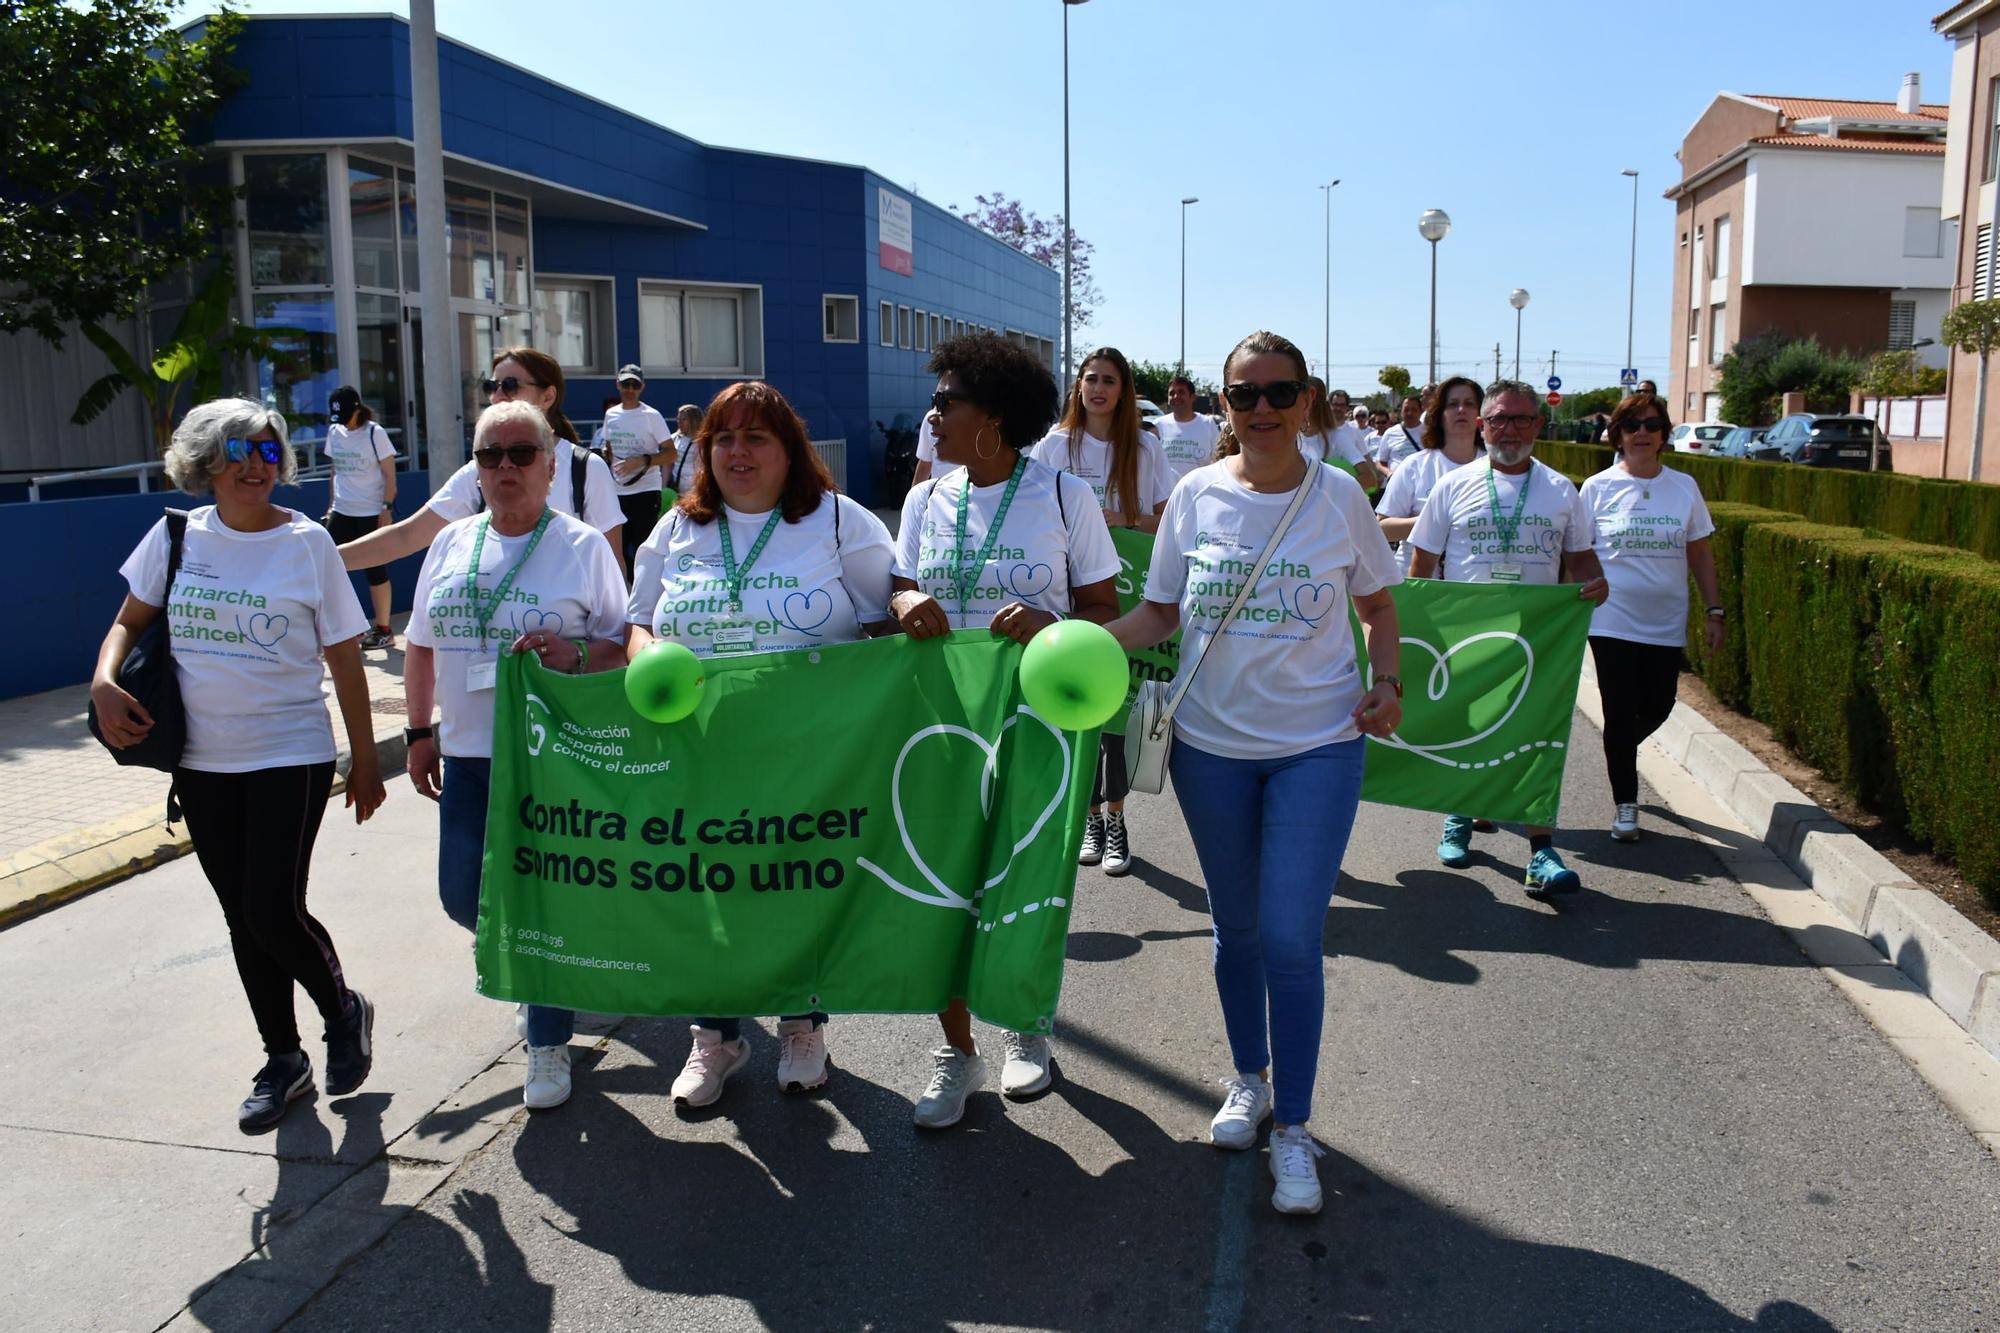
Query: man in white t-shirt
<point>1189,440</point>
<point>1404,438</point>
<point>641,450</point>
<point>1508,519</point>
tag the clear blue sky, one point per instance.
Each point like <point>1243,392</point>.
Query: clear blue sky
<point>1515,119</point>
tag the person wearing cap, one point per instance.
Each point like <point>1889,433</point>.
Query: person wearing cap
<point>641,450</point>
<point>364,493</point>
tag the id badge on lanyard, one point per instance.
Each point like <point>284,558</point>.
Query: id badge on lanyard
<point>734,634</point>
<point>482,675</point>
<point>1509,573</point>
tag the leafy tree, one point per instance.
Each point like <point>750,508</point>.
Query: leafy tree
<point>1040,239</point>
<point>1396,379</point>
<point>104,100</point>
<point>1151,378</point>
<point>1591,401</point>
<point>1759,371</point>
<point>1899,374</point>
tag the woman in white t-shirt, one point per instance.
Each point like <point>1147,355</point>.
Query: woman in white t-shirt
<point>1652,531</point>
<point>470,608</point>
<point>1451,440</point>
<point>1098,438</point>
<point>763,555</point>
<point>1002,542</point>
<point>1268,745</point>
<point>256,600</point>
<point>364,493</point>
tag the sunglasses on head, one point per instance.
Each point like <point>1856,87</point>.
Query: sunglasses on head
<point>1280,394</point>
<point>242,451</point>
<point>1651,425</point>
<point>511,385</point>
<point>520,455</point>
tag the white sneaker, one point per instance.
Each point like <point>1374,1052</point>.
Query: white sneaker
<point>1625,824</point>
<point>1244,1107</point>
<point>1027,1069</point>
<point>801,1055</point>
<point>1117,848</point>
<point>710,1062</point>
<point>954,1077</point>
<point>1294,1165</point>
<point>548,1077</point>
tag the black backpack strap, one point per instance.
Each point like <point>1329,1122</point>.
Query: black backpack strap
<point>177,526</point>
<point>579,467</point>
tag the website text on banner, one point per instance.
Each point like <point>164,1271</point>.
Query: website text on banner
<point>770,854</point>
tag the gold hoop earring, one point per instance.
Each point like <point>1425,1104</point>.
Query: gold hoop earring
<point>984,454</point>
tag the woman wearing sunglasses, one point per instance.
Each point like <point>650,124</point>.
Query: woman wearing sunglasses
<point>1005,543</point>
<point>519,577</point>
<point>582,487</point>
<point>1098,438</point>
<point>1652,531</point>
<point>1267,753</point>
<point>1451,440</point>
<point>259,597</point>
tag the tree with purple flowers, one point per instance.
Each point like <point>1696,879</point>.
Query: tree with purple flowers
<point>1040,239</point>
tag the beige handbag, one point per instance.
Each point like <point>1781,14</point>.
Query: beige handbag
<point>1149,728</point>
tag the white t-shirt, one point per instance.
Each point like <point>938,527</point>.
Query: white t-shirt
<point>571,588</point>
<point>927,450</point>
<point>1283,680</point>
<point>1187,444</point>
<point>1642,530</point>
<point>249,613</point>
<point>1093,463</point>
<point>1404,494</point>
<point>630,434</point>
<point>686,470</point>
<point>1045,547</point>
<point>1398,442</point>
<point>817,581</point>
<point>358,488</point>
<point>1342,442</point>
<point>459,496</point>
<point>1457,524</point>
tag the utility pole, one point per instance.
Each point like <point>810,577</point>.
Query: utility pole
<point>444,431</point>
<point>1496,361</point>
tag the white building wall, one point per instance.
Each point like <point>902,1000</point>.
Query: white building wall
<point>42,385</point>
<point>1958,145</point>
<point>1932,303</point>
<point>1826,218</point>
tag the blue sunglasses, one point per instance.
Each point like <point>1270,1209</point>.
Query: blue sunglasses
<point>239,451</point>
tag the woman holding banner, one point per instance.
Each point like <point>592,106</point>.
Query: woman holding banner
<point>521,577</point>
<point>760,490</point>
<point>1010,544</point>
<point>1267,751</point>
<point>1451,440</point>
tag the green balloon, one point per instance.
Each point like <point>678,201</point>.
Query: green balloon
<point>1074,674</point>
<point>663,684</point>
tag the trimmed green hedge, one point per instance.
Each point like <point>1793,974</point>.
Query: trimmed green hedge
<point>1959,514</point>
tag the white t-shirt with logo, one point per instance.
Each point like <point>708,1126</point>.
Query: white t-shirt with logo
<point>1398,443</point>
<point>249,613</point>
<point>1642,529</point>
<point>1045,547</point>
<point>633,433</point>
<point>570,587</point>
<point>358,488</point>
<point>1093,464</point>
<point>817,581</point>
<point>459,496</point>
<point>686,470</point>
<point>1282,680</point>
<point>927,450</point>
<point>1342,442</point>
<point>1457,523</point>
<point>1409,486</point>
<point>1187,444</point>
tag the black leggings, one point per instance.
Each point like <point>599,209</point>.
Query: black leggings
<point>253,834</point>
<point>1637,682</point>
<point>1109,783</point>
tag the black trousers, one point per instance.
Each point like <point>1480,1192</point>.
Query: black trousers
<point>1637,682</point>
<point>253,834</point>
<point>346,528</point>
<point>1109,783</point>
<point>642,511</point>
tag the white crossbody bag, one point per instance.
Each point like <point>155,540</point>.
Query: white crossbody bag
<point>1149,729</point>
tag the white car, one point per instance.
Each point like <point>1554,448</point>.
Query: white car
<point>1698,437</point>
<point>1148,409</point>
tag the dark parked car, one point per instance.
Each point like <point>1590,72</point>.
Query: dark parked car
<point>1828,439</point>
<point>1745,442</point>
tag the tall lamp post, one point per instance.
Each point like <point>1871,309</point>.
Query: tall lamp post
<point>1519,300</point>
<point>1432,226</point>
<point>1632,268</point>
<point>1326,305</point>
<point>1182,365</point>
<point>1069,232</point>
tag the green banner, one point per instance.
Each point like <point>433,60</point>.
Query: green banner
<point>870,827</point>
<point>1135,556</point>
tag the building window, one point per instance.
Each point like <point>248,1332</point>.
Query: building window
<point>1718,333</point>
<point>285,200</point>
<point>1902,324</point>
<point>1694,346</point>
<point>961,328</point>
<point>888,335</point>
<point>934,329</point>
<point>840,318</point>
<point>1982,279</point>
<point>922,330</point>
<point>574,322</point>
<point>902,326</point>
<point>1698,269</point>
<point>1992,128</point>
<point>1722,250</point>
<point>701,329</point>
<point>1920,233</point>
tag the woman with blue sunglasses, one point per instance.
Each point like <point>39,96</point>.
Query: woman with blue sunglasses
<point>258,596</point>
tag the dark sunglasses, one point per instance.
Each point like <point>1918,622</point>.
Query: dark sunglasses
<point>1652,425</point>
<point>241,451</point>
<point>942,400</point>
<point>520,455</point>
<point>1280,394</point>
<point>512,384</point>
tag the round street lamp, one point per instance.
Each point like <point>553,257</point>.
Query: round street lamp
<point>1432,226</point>
<point>1519,300</point>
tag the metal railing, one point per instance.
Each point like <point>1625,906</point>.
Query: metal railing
<point>143,471</point>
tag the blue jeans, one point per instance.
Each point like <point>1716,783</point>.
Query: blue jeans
<point>1270,834</point>
<point>461,849</point>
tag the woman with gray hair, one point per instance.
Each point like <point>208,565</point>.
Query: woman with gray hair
<point>256,599</point>
<point>522,577</point>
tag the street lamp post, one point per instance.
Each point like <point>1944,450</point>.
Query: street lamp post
<point>1069,232</point>
<point>1326,306</point>
<point>1432,226</point>
<point>1182,365</point>
<point>1519,300</point>
<point>1632,269</point>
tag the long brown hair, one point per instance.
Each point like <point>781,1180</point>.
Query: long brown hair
<point>750,403</point>
<point>1123,481</point>
<point>1256,344</point>
<point>548,373</point>
<point>1434,423</point>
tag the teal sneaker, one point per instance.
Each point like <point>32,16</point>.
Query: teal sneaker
<point>1548,874</point>
<point>1455,847</point>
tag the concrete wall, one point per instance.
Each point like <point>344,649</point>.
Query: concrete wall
<point>1826,218</point>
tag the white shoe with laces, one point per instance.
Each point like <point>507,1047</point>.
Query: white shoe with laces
<point>1295,1166</point>
<point>548,1082</point>
<point>1625,824</point>
<point>1026,1071</point>
<point>1245,1105</point>
<point>1117,845</point>
<point>801,1055</point>
<point>710,1062</point>
<point>954,1077</point>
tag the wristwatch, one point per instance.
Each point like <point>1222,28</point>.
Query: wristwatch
<point>411,735</point>
<point>1394,682</point>
<point>1717,612</point>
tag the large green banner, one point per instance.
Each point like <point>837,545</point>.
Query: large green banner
<point>1135,555</point>
<point>870,827</point>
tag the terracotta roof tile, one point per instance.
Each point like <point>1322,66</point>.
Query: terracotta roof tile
<point>1811,108</point>
<point>1877,144</point>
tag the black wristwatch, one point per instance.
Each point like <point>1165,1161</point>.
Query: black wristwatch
<point>1393,682</point>
<point>411,735</point>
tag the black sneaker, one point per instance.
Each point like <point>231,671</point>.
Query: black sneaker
<point>283,1080</point>
<point>350,1048</point>
<point>1117,850</point>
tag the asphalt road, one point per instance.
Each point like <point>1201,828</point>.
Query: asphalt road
<point>1638,1109</point>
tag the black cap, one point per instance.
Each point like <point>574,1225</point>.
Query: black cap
<point>630,373</point>
<point>345,399</point>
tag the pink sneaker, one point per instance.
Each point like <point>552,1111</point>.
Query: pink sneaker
<point>710,1062</point>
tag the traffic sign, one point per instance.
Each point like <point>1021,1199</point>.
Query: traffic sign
<point>1628,378</point>
<point>1554,398</point>
<point>1554,383</point>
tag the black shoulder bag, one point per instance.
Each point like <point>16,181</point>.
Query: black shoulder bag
<point>147,674</point>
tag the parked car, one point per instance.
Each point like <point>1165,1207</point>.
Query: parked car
<point>1148,409</point>
<point>1698,437</point>
<point>1746,442</point>
<point>1829,439</point>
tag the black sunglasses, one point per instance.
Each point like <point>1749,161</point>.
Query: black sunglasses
<point>512,384</point>
<point>240,451</point>
<point>942,400</point>
<point>1652,425</point>
<point>1280,394</point>
<point>520,455</point>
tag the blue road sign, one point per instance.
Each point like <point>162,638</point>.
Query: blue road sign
<point>1555,383</point>
<point>1628,378</point>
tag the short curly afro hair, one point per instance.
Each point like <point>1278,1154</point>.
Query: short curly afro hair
<point>1003,378</point>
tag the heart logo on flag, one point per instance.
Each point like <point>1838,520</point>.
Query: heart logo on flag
<point>1470,718</point>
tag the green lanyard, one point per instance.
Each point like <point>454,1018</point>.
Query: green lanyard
<point>730,570</point>
<point>963,579</point>
<point>484,609</point>
<point>1509,527</point>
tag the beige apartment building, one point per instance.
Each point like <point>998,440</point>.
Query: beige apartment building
<point>1972,152</point>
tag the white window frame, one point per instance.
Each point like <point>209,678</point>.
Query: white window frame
<point>826,303</point>
<point>903,326</point>
<point>1926,226</point>
<point>887,316</point>
<point>749,299</point>
<point>1718,332</point>
<point>1900,339</point>
<point>922,344</point>
<point>934,328</point>
<point>603,316</point>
